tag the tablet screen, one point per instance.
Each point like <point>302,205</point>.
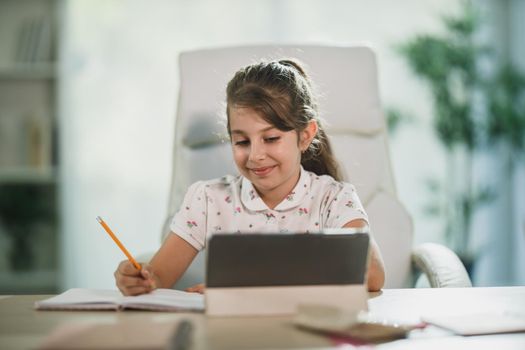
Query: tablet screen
<point>249,260</point>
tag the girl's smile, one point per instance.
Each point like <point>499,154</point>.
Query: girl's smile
<point>263,171</point>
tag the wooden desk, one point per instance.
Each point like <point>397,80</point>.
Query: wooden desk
<point>21,327</point>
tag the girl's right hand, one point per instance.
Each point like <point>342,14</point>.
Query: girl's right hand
<point>131,281</point>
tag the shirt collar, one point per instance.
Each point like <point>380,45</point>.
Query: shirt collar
<point>251,200</point>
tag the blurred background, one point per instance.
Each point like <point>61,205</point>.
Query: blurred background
<point>88,93</point>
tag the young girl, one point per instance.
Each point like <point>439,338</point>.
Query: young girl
<point>289,182</point>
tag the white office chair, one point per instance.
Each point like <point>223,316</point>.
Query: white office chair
<point>346,80</point>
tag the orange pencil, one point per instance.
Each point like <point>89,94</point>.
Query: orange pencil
<point>120,245</point>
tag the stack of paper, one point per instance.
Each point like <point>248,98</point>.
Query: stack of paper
<point>478,324</point>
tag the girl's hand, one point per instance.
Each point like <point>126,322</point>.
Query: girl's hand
<point>199,288</point>
<point>131,281</point>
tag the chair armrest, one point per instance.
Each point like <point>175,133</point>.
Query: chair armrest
<point>441,266</point>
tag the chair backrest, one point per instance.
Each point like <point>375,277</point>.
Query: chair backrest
<point>345,78</point>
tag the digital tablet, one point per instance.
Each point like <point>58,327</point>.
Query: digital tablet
<point>271,273</point>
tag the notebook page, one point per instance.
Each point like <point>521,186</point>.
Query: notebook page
<point>81,299</point>
<point>165,300</point>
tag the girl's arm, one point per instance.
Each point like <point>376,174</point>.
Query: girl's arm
<point>171,260</point>
<point>376,268</point>
<point>164,269</point>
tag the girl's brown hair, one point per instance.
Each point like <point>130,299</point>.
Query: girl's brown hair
<point>281,92</point>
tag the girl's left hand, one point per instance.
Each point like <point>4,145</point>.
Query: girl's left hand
<point>199,288</point>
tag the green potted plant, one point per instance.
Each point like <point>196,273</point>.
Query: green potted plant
<point>506,118</point>
<point>22,208</point>
<point>448,64</point>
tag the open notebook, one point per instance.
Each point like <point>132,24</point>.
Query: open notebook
<point>97,299</point>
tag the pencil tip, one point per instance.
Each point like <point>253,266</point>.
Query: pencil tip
<point>99,219</point>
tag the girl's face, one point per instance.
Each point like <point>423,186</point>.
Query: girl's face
<point>268,157</point>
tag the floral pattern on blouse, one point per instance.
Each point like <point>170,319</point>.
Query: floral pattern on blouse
<point>232,205</point>
<point>303,211</point>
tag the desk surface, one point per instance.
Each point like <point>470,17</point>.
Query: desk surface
<point>22,327</point>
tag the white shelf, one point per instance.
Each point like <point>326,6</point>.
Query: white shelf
<point>28,71</point>
<point>28,83</point>
<point>25,175</point>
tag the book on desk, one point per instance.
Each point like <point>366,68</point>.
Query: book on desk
<point>99,299</point>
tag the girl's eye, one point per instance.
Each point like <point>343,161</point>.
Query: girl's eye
<point>241,143</point>
<point>272,139</point>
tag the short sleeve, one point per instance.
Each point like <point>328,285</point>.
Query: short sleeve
<point>190,221</point>
<point>344,206</point>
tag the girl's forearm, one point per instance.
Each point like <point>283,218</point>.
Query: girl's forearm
<point>376,269</point>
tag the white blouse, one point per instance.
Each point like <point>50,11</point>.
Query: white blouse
<point>232,205</point>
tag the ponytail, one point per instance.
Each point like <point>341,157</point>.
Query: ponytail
<point>319,159</point>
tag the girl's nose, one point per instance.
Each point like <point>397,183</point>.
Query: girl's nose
<point>257,152</point>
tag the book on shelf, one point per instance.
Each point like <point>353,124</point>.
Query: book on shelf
<point>101,299</point>
<point>25,141</point>
<point>34,40</point>
<point>38,136</point>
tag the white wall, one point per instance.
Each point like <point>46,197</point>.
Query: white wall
<point>118,96</point>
